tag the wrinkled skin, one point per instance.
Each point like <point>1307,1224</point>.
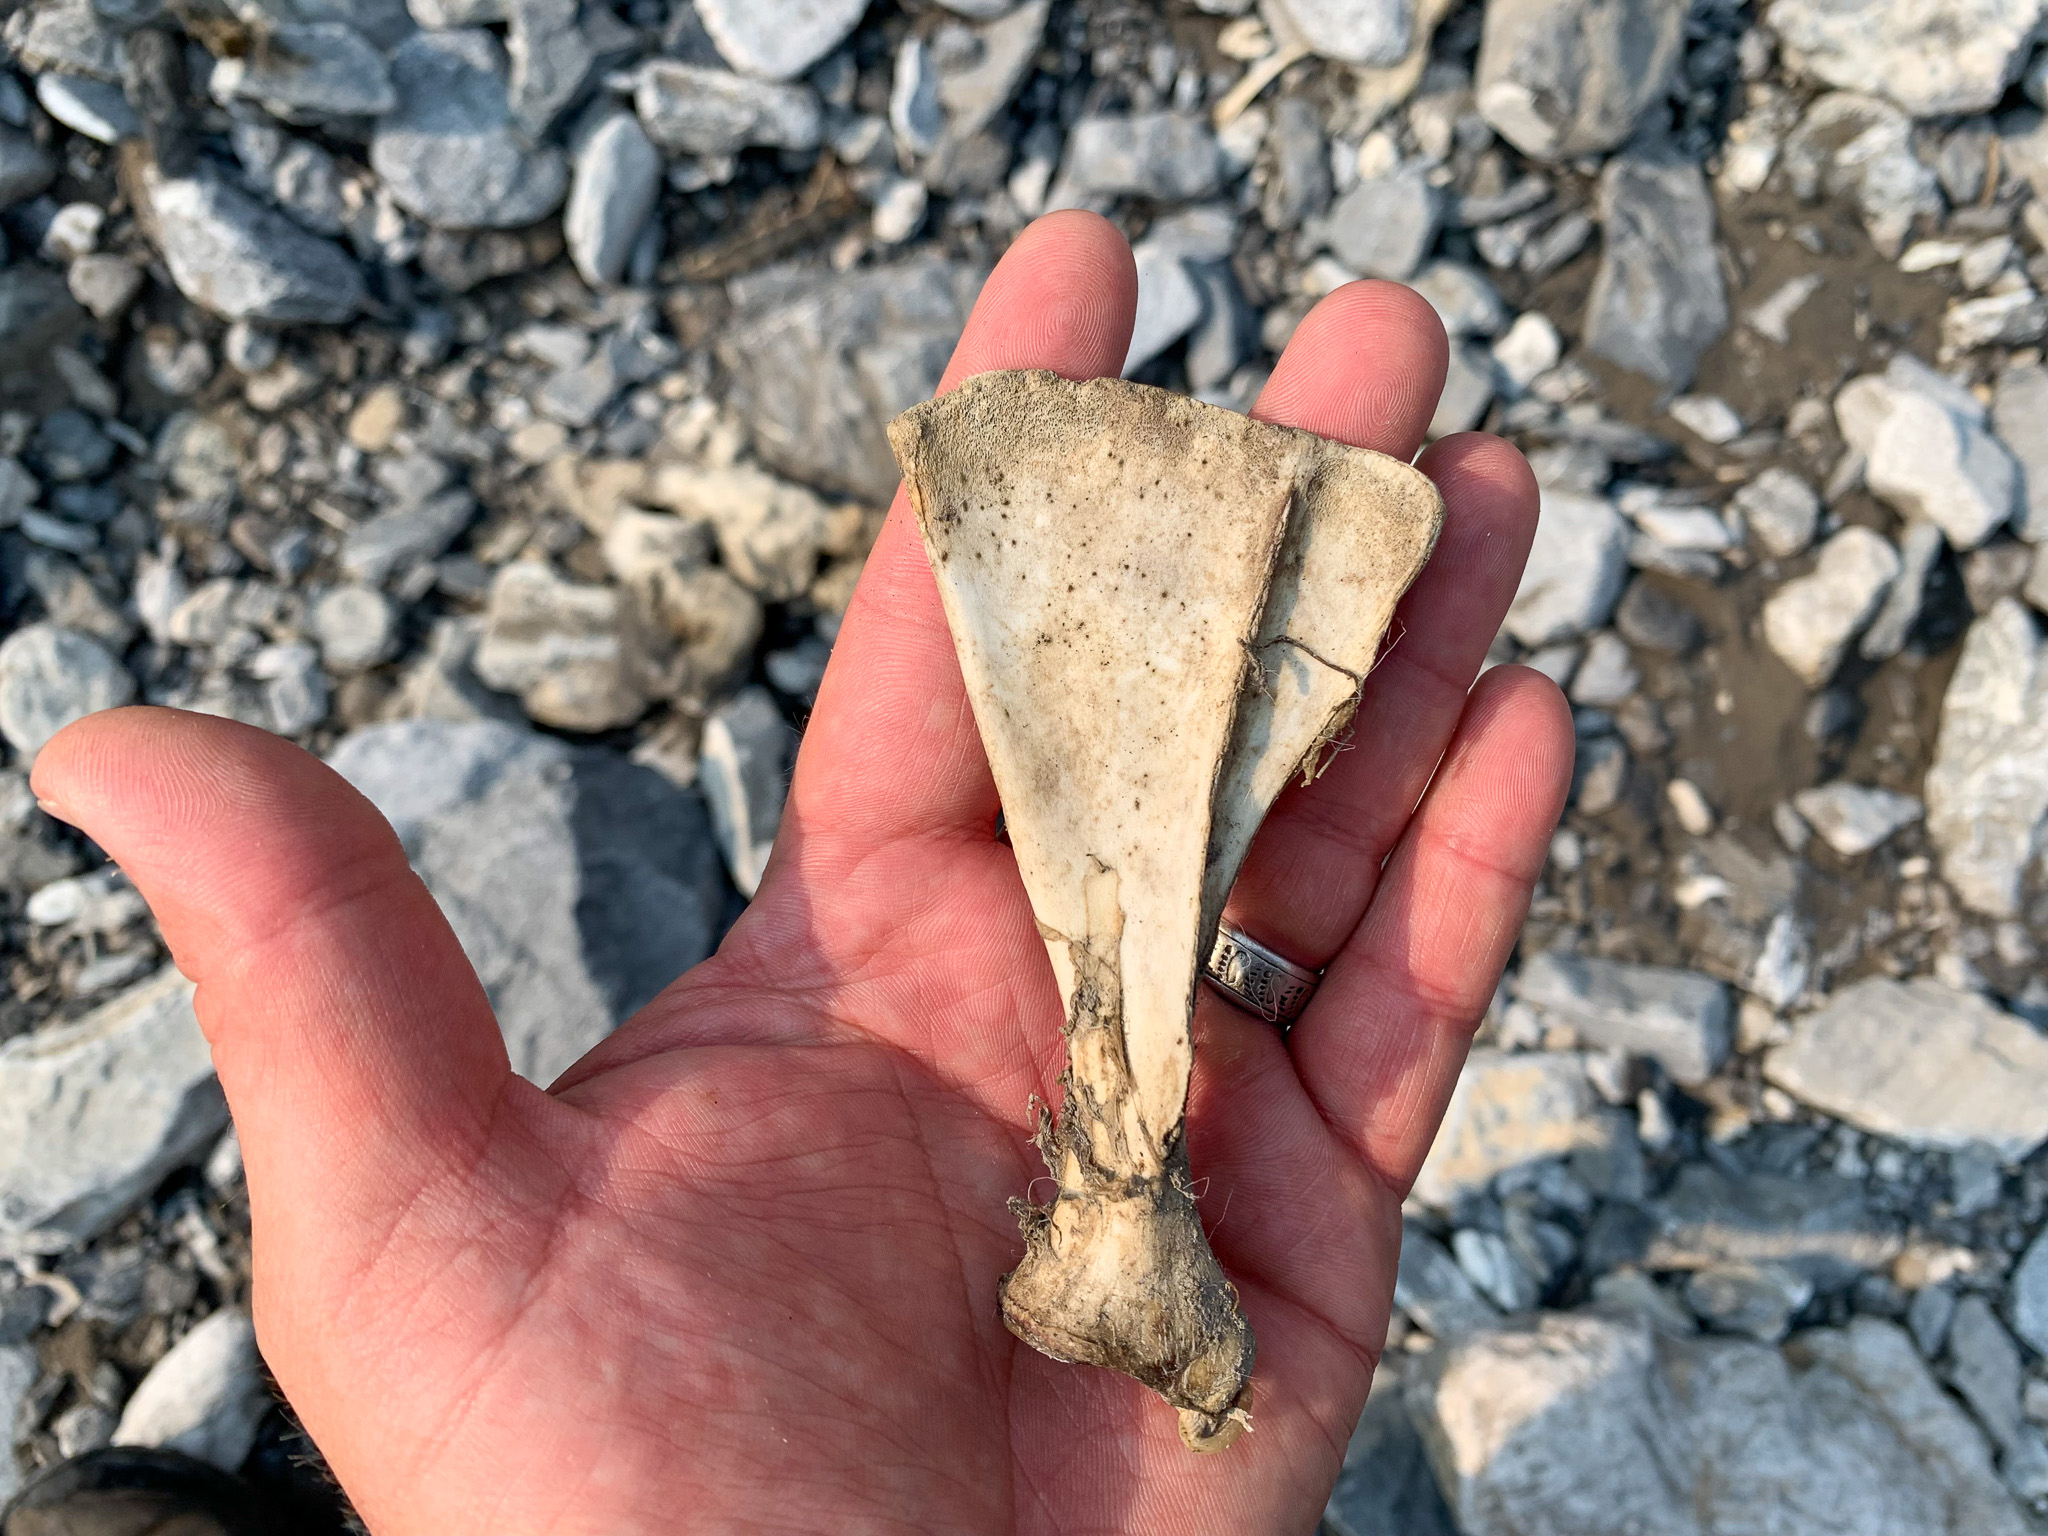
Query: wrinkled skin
<point>737,1270</point>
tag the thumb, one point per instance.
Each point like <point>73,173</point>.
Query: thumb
<point>354,1042</point>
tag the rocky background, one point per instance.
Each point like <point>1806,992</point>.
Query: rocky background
<point>488,395</point>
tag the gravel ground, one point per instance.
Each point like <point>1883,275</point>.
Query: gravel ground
<point>488,394</point>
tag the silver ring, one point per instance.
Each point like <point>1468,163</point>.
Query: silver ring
<point>1258,980</point>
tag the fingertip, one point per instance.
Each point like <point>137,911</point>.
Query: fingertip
<point>1365,367</point>
<point>1479,468</point>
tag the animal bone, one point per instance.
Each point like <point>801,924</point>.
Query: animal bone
<point>1162,610</point>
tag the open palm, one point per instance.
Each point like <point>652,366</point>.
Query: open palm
<point>737,1270</point>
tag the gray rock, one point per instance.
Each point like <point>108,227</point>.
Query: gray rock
<point>1368,32</point>
<point>1575,569</point>
<point>450,153</point>
<point>1987,789</point>
<point>19,1372</point>
<point>1919,550</point>
<point>1658,301</point>
<point>1921,1063</point>
<point>94,1113</point>
<point>36,313</point>
<point>1820,1227</point>
<point>1385,226</point>
<point>1385,1487</point>
<point>231,255</point>
<point>1582,1424</point>
<point>1170,157</point>
<point>819,365</point>
<point>2027,1295</point>
<point>1810,622</point>
<point>579,884</point>
<point>2019,415</point>
<point>1490,1264</point>
<point>770,532</point>
<point>1926,451</point>
<point>205,1397</point>
<point>778,39</point>
<point>309,73</point>
<point>1780,510</point>
<point>1463,297</point>
<point>974,90</point>
<point>298,173</point>
<point>1563,78</point>
<point>403,535</point>
<point>1679,1019</point>
<point>1852,819</point>
<point>51,676</point>
<point>95,108</point>
<point>1435,1292</point>
<point>1298,185</point>
<point>1170,303</point>
<point>1933,60</point>
<point>24,168</point>
<point>1606,677</point>
<point>616,183</point>
<point>1861,147</point>
<point>105,285</point>
<point>1511,1110</point>
<point>574,653</point>
<point>357,627</point>
<point>1932,1309</point>
<point>692,110</point>
<point>72,448</point>
<point>67,37</point>
<point>1984,1367</point>
<point>295,693</point>
<point>2010,318</point>
<point>743,766</point>
<point>1760,1300</point>
<point>1227,335</point>
<point>550,58</point>
<point>1468,390</point>
<point>914,112</point>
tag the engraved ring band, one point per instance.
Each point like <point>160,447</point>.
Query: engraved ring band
<point>1256,979</point>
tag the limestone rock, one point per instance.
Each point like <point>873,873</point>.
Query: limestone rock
<point>231,255</point>
<point>778,39</point>
<point>616,183</point>
<point>1810,622</point>
<point>573,653</point>
<point>697,111</point>
<point>1987,789</point>
<point>450,153</point>
<point>1679,1019</point>
<point>1509,1110</point>
<point>1658,299</point>
<point>1563,78</point>
<point>1852,819</point>
<point>1922,1063</point>
<point>1584,1424</point>
<point>51,676</point>
<point>820,365</point>
<point>2019,415</point>
<point>1927,452</point>
<point>1934,58</point>
<point>205,1397</point>
<point>93,1114</point>
<point>579,884</point>
<point>1575,570</point>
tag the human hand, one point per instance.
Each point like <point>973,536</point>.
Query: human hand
<point>738,1269</point>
